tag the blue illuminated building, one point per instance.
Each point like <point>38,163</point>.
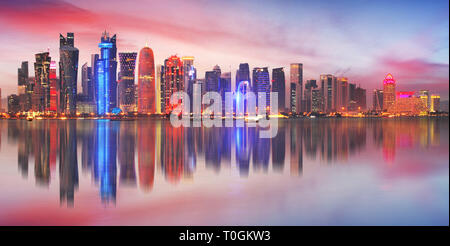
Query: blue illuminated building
<point>106,67</point>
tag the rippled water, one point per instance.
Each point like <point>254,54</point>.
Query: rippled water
<point>145,172</point>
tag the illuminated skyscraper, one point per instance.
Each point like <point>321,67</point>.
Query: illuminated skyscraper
<point>173,80</point>
<point>279,86</point>
<point>54,88</point>
<point>94,76</point>
<point>106,68</point>
<point>293,98</point>
<point>388,91</point>
<point>435,103</point>
<point>68,71</point>
<point>41,90</point>
<point>126,81</point>
<point>261,84</point>
<point>425,96</point>
<point>146,82</point>
<point>328,82</point>
<point>297,78</point>
<point>212,80</point>
<point>342,94</point>
<point>307,94</point>
<point>242,74</point>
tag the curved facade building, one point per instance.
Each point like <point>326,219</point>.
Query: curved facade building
<point>146,82</point>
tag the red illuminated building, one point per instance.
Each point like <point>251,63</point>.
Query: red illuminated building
<point>146,82</point>
<point>173,79</point>
<point>388,91</point>
<point>53,87</point>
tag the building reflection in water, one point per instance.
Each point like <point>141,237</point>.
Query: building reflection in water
<point>178,153</point>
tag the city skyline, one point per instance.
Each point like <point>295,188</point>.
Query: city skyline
<point>417,56</point>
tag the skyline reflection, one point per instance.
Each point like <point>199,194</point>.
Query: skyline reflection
<point>131,153</point>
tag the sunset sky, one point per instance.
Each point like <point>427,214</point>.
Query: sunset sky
<point>361,39</point>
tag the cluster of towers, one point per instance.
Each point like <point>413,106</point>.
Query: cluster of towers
<point>403,102</point>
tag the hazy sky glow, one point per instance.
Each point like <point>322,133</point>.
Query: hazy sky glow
<point>363,40</point>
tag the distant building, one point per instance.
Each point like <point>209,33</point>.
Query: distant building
<point>279,86</point>
<point>342,94</point>
<point>377,100</point>
<point>225,86</point>
<point>125,85</point>
<point>329,91</point>
<point>297,78</point>
<point>242,74</point>
<point>159,89</point>
<point>388,91</point>
<point>212,80</point>
<point>94,78</point>
<point>106,67</point>
<point>425,97</point>
<point>87,81</point>
<point>68,71</point>
<point>435,103</point>
<point>307,95</point>
<point>316,100</point>
<point>261,84</point>
<point>54,88</point>
<point>22,87</point>
<point>13,104</point>
<point>407,104</point>
<point>360,98</point>
<point>293,98</point>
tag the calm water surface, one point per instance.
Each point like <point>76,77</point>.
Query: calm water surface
<point>145,172</point>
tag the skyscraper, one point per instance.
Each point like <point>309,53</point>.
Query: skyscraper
<point>126,81</point>
<point>261,84</point>
<point>327,85</point>
<point>86,82</point>
<point>146,82</point>
<point>279,86</point>
<point>212,80</point>
<point>388,91</point>
<point>342,94</point>
<point>41,92</point>
<point>106,68</point>
<point>158,88</point>
<point>173,80</point>
<point>94,76</point>
<point>54,88</point>
<point>23,86</point>
<point>242,74</point>
<point>377,100</point>
<point>68,71</point>
<point>293,98</point>
<point>297,78</point>
<point>307,94</point>
<point>435,103</point>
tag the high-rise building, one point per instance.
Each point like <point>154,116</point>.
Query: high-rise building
<point>54,88</point>
<point>212,80</point>
<point>261,84</point>
<point>388,91</point>
<point>87,82</point>
<point>94,76</point>
<point>159,89</point>
<point>297,78</point>
<point>293,98</point>
<point>173,80</point>
<point>68,71</point>
<point>41,91</point>
<point>13,104</point>
<point>360,98</point>
<point>225,86</point>
<point>24,97</point>
<point>126,81</point>
<point>425,96</point>
<point>189,76</point>
<point>329,91</point>
<point>307,95</point>
<point>316,100</point>
<point>242,74</point>
<point>342,92</point>
<point>146,82</point>
<point>279,86</point>
<point>377,100</point>
<point>435,103</point>
<point>106,68</point>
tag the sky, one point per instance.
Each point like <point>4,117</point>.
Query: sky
<point>360,39</point>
